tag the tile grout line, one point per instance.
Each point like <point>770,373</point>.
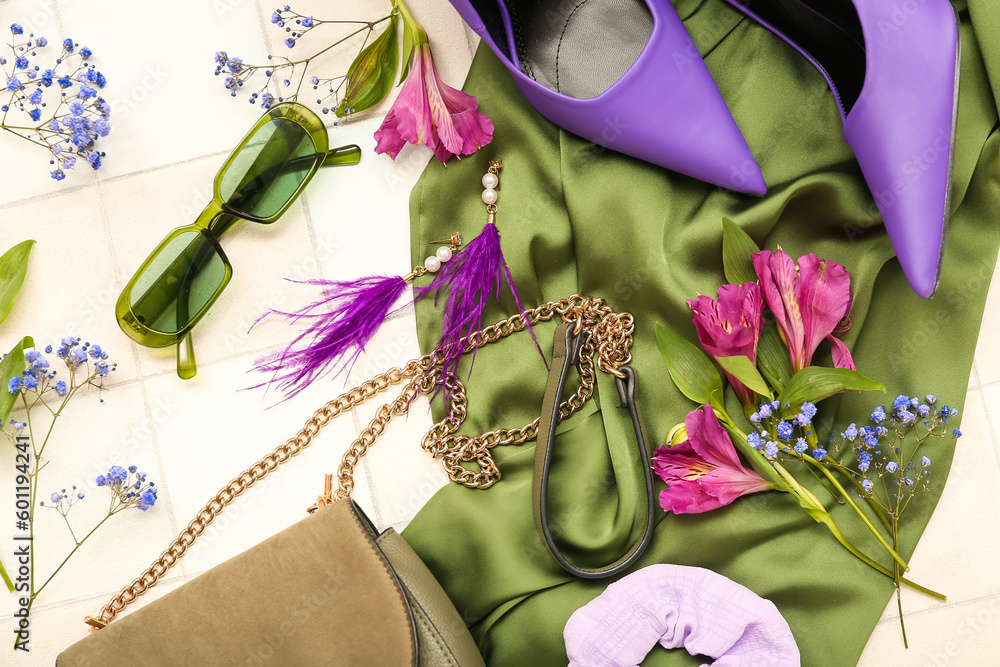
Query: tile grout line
<point>172,518</point>
<point>110,179</point>
<point>311,230</point>
<point>991,427</point>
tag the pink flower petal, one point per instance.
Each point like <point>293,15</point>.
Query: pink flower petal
<point>779,280</point>
<point>679,463</point>
<point>825,295</point>
<point>728,484</point>
<point>709,440</point>
<point>687,498</point>
<point>841,355</point>
<point>409,119</point>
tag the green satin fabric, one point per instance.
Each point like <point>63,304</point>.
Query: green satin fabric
<point>576,218</point>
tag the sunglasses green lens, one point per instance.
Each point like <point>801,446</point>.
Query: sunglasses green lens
<point>268,170</point>
<point>183,277</point>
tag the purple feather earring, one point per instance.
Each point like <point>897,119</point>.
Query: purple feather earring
<point>341,323</point>
<point>474,277</point>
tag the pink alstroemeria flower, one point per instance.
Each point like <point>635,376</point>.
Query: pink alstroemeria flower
<point>731,326</point>
<point>704,472</point>
<point>429,112</point>
<point>808,302</point>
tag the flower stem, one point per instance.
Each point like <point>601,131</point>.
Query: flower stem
<point>896,580</point>
<point>419,34</point>
<point>892,552</point>
<point>868,561</point>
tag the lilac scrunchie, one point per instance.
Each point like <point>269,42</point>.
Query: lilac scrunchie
<point>676,606</point>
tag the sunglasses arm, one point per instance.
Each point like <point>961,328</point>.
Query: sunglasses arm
<point>342,156</point>
<point>186,364</point>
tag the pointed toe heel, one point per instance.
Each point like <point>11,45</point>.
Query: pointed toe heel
<point>623,74</point>
<point>893,68</point>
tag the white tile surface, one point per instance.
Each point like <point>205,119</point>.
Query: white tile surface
<point>173,127</point>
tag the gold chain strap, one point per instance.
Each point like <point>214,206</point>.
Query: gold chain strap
<point>610,338</point>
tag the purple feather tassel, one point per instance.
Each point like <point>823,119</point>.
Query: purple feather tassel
<point>473,276</point>
<point>340,325</point>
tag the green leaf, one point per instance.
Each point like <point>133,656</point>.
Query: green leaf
<point>737,248</point>
<point>373,72</point>
<point>772,357</point>
<point>13,267</point>
<point>690,368</point>
<point>743,370</point>
<point>11,366</point>
<point>409,45</point>
<point>814,383</point>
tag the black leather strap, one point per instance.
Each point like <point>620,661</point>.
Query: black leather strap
<point>565,354</point>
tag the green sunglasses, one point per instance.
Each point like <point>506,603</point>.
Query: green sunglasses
<point>182,278</point>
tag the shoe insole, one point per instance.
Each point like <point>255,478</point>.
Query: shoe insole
<point>579,48</point>
<point>829,31</point>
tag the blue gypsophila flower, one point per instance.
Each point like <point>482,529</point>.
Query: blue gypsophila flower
<point>307,22</point>
<point>754,440</point>
<point>35,114</point>
<point>13,84</point>
<point>117,473</point>
<point>891,467</point>
<point>906,416</point>
<point>850,433</point>
<point>864,461</point>
<point>867,485</point>
<point>275,17</point>
<point>314,80</point>
<point>931,399</point>
<point>755,418</point>
<point>86,52</point>
<point>221,57</point>
<point>69,163</point>
<point>68,45</point>
<point>784,430</point>
<point>147,499</point>
<point>41,42</point>
<point>901,402</point>
<point>957,433</point>
<point>28,382</point>
<point>289,42</point>
<point>765,410</point>
<point>925,461</point>
<point>16,29</point>
<point>76,108</point>
<point>801,446</point>
<point>61,388</point>
<point>86,92</point>
<point>21,63</point>
<point>235,64</point>
<point>908,481</point>
<point>878,415</point>
<point>923,410</point>
<point>819,453</point>
<point>771,449</point>
<point>14,385</point>
<point>58,174</point>
<point>36,97</point>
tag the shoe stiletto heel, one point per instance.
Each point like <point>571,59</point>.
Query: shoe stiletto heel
<point>893,69</point>
<point>623,74</point>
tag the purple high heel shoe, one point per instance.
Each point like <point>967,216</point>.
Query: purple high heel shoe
<point>893,68</point>
<point>623,74</point>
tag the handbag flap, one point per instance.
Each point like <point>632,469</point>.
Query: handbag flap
<point>319,592</point>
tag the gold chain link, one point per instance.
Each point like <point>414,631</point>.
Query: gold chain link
<point>610,339</point>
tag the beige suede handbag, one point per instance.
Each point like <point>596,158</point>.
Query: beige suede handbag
<point>329,590</point>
